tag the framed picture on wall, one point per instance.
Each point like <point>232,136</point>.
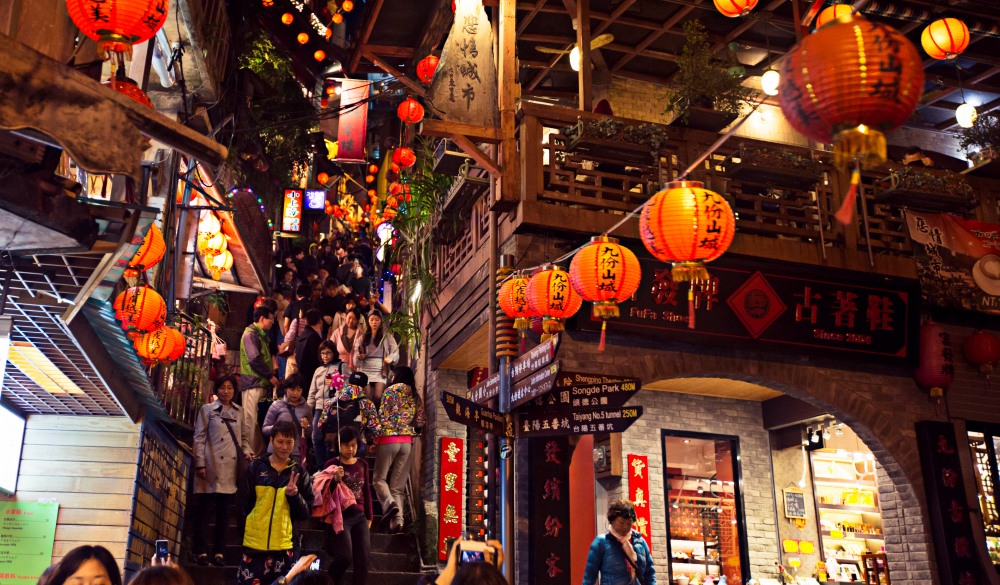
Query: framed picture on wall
<point>795,503</point>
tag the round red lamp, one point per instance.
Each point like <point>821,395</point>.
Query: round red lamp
<point>116,25</point>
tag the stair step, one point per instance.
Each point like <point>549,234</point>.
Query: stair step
<point>389,578</point>
<point>211,575</point>
<point>390,562</point>
<point>395,542</point>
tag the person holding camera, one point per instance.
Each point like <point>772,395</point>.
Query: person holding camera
<point>621,555</point>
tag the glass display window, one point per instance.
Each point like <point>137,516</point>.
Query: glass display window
<point>705,520</point>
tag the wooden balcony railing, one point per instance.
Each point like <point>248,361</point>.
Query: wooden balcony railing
<point>183,386</point>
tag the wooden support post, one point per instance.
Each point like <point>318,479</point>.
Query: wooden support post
<point>585,75</point>
<point>470,148</point>
<point>410,83</point>
<point>509,91</point>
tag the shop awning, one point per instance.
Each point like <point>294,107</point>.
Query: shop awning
<point>102,130</point>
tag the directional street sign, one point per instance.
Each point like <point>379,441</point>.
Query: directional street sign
<point>471,414</point>
<point>535,384</point>
<point>537,358</point>
<point>578,389</point>
<point>486,390</point>
<point>576,421</point>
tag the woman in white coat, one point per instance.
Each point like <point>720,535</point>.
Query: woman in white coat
<point>218,444</point>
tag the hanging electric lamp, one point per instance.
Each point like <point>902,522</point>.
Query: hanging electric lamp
<point>116,25</point>
<point>209,225</point>
<point>426,68</point>
<point>551,295</point>
<point>734,8</point>
<point>849,83</point>
<point>945,38</point>
<point>513,300</point>
<point>410,111</point>
<point>605,273</point>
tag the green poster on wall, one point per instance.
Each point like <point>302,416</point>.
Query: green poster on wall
<point>27,533</point>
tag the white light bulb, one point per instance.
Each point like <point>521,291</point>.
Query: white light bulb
<point>769,82</point>
<point>574,58</point>
<point>966,115</point>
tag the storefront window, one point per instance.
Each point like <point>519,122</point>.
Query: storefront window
<point>984,444</point>
<point>704,508</point>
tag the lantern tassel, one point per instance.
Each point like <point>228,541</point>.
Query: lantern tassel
<point>691,306</point>
<point>859,143</point>
<point>846,212</point>
<point>604,330</point>
<point>522,341</point>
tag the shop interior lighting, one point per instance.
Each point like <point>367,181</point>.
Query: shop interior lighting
<point>701,488</point>
<point>839,431</point>
<point>826,434</point>
<point>33,363</point>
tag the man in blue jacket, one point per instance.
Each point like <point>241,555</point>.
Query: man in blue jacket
<point>620,555</point>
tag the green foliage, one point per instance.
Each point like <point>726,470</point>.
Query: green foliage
<point>984,134</point>
<point>703,80</point>
<point>414,250</point>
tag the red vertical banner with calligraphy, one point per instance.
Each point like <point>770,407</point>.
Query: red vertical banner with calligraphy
<point>353,122</point>
<point>450,494</point>
<point>638,494</point>
<point>549,460</point>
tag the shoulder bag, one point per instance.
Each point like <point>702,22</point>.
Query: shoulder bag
<point>241,459</point>
<point>303,446</point>
<point>287,348</point>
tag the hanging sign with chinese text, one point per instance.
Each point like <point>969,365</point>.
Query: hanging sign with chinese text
<point>476,415</point>
<point>352,125</point>
<point>958,261</point>
<point>465,82</point>
<point>486,390</point>
<point>291,211</point>
<point>535,359</point>
<point>638,494</point>
<point>539,383</point>
<point>556,422</point>
<point>450,494</point>
<point>746,303</point>
<point>959,560</point>
<point>549,461</point>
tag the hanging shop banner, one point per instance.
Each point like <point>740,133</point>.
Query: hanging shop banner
<point>291,211</point>
<point>27,534</point>
<point>638,494</point>
<point>958,555</point>
<point>352,125</point>
<point>450,494</point>
<point>746,303</point>
<point>549,461</point>
<point>465,82</point>
<point>958,261</point>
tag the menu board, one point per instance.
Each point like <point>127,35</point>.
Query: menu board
<point>291,211</point>
<point>27,533</point>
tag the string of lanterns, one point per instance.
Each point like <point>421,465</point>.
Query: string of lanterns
<point>213,245</point>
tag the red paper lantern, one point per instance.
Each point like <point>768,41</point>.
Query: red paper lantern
<point>395,188</point>
<point>849,83</point>
<point>936,369</point>
<point>394,168</point>
<point>155,346</point>
<point>302,38</point>
<point>347,5</point>
<point>982,349</point>
<point>404,157</point>
<point>151,251</point>
<point>606,274</point>
<point>142,310</point>
<point>551,295</point>
<point>373,169</point>
<point>129,88</point>
<point>287,18</point>
<point>338,18</point>
<point>410,111</point>
<point>118,304</point>
<point>513,300</point>
<point>322,178</point>
<point>426,68</point>
<point>945,38</point>
<point>116,25</point>
<point>687,225</point>
<point>180,344</point>
<point>831,13</point>
<point>734,8</point>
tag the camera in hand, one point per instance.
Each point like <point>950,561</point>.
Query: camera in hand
<point>161,549</point>
<point>474,551</point>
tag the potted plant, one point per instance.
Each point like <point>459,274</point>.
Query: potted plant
<point>706,93</point>
<point>925,190</point>
<point>984,135</point>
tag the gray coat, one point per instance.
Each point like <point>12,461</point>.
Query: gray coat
<point>279,411</point>
<point>214,448</point>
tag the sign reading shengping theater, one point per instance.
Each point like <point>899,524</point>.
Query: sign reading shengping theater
<point>751,304</point>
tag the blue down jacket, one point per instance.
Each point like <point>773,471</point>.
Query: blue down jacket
<point>608,559</point>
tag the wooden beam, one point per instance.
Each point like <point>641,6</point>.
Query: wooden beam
<point>438,24</point>
<point>509,92</point>
<point>481,158</point>
<point>527,18</point>
<point>625,5</point>
<point>445,129</point>
<point>412,84</point>
<point>390,51</point>
<point>366,33</point>
<point>669,24</point>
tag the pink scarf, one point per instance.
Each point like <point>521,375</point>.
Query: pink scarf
<point>329,505</point>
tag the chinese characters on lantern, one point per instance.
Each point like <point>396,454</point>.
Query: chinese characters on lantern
<point>450,493</point>
<point>638,493</point>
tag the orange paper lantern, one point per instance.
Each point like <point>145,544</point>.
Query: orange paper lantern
<point>849,83</point>
<point>118,304</point>
<point>319,55</point>
<point>151,251</point>
<point>287,18</point>
<point>180,344</point>
<point>322,178</point>
<point>404,157</point>
<point>129,88</point>
<point>338,18</point>
<point>142,310</point>
<point>426,68</point>
<point>945,38</point>
<point>734,8</point>
<point>513,300</point>
<point>831,13</point>
<point>212,245</point>
<point>372,169</point>
<point>410,111</point>
<point>369,178</point>
<point>347,5</point>
<point>116,25</point>
<point>302,38</point>
<point>156,346</point>
<point>606,274</point>
<point>551,295</point>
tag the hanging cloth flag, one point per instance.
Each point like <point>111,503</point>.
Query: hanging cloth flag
<point>465,83</point>
<point>353,122</point>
